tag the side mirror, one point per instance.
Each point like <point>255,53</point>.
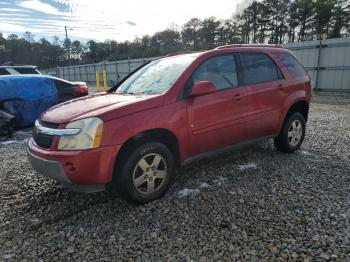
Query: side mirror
<point>202,88</point>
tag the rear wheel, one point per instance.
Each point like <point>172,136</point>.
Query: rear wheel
<point>292,133</point>
<point>146,173</point>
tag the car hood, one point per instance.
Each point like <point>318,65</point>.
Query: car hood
<point>106,106</point>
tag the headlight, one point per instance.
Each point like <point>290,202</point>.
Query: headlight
<point>89,137</point>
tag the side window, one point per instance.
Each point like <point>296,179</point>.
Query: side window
<point>26,70</point>
<point>3,71</point>
<point>221,70</point>
<point>293,66</point>
<point>259,68</point>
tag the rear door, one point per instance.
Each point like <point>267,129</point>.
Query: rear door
<point>217,120</point>
<point>263,81</point>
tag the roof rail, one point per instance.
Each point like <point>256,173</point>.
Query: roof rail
<point>178,53</point>
<point>248,45</point>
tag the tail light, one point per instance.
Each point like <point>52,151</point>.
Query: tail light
<point>81,90</point>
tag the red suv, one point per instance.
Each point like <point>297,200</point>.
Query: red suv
<point>170,112</point>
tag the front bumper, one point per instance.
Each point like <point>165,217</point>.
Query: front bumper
<point>53,169</point>
<point>93,168</point>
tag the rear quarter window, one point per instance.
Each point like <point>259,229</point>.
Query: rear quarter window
<point>293,66</point>
<point>259,68</point>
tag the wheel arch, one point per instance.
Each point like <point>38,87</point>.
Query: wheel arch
<point>301,107</point>
<point>160,135</point>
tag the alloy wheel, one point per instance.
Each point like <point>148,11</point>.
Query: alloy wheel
<point>150,173</point>
<point>295,132</point>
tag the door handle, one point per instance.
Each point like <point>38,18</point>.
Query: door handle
<point>280,87</point>
<point>237,97</point>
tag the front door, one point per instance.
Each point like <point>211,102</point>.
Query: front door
<point>217,120</point>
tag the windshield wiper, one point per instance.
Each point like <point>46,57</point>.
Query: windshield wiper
<point>126,93</point>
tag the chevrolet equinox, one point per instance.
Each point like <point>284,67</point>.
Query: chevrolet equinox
<point>170,112</point>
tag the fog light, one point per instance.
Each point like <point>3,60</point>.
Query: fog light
<point>69,166</point>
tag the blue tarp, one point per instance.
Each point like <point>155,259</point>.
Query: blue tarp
<point>27,96</point>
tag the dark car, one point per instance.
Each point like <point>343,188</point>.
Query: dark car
<point>69,90</point>
<point>169,113</point>
<point>27,96</point>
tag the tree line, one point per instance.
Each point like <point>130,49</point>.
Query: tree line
<point>267,21</point>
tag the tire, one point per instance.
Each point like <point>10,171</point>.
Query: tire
<point>292,134</point>
<point>147,173</point>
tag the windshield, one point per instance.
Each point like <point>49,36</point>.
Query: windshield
<point>156,77</point>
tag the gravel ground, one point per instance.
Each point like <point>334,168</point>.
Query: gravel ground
<point>255,205</point>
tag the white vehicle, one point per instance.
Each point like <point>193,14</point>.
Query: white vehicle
<point>9,69</point>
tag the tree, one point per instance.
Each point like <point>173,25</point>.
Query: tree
<point>340,18</point>
<point>323,16</point>
<point>207,33</point>
<point>265,21</point>
<point>169,41</point>
<point>76,50</point>
<point>190,34</point>
<point>292,21</point>
<point>228,33</point>
<point>278,14</point>
<point>28,36</point>
<point>252,13</point>
<point>304,14</point>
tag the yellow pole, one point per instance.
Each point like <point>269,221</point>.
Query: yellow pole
<point>104,74</point>
<point>97,82</point>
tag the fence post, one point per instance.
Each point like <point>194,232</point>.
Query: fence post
<point>318,64</point>
<point>58,72</point>
<point>116,71</point>
<point>86,73</point>
<point>80,73</point>
<point>104,76</point>
<point>97,79</point>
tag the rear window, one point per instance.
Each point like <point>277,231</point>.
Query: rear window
<point>26,70</point>
<point>293,66</point>
<point>258,68</point>
<point>3,71</point>
<point>62,84</point>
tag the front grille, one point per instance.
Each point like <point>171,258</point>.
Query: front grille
<point>44,140</point>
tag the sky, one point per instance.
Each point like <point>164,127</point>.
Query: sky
<point>104,19</point>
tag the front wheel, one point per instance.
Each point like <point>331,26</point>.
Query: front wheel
<point>292,134</point>
<point>147,173</point>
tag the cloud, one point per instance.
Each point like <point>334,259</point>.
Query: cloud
<point>40,6</point>
<point>131,23</point>
<point>15,10</point>
<point>8,27</point>
<point>105,19</point>
<point>11,15</point>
